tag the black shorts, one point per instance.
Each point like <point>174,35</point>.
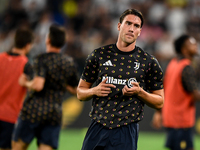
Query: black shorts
<point>6,130</point>
<point>45,133</point>
<point>179,139</point>
<point>100,138</point>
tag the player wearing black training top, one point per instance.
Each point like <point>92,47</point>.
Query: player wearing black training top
<point>123,74</point>
<point>41,114</point>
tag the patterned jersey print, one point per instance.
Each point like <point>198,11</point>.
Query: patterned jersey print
<point>121,68</point>
<point>45,106</point>
<point>189,79</point>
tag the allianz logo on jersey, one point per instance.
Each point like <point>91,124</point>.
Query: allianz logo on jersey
<point>112,80</point>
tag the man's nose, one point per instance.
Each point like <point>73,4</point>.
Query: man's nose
<point>131,28</point>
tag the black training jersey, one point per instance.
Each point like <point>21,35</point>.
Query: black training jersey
<point>45,106</point>
<point>121,68</point>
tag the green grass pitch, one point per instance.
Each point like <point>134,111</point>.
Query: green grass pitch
<point>71,139</point>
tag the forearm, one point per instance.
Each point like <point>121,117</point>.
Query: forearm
<point>23,81</point>
<point>29,84</point>
<point>37,84</point>
<point>153,100</point>
<point>196,95</point>
<point>85,91</point>
<point>85,94</point>
<point>72,90</point>
<point>157,119</point>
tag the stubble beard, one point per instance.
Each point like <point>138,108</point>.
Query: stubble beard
<point>128,41</point>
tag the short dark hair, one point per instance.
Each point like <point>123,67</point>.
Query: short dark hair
<point>179,43</point>
<point>133,12</point>
<point>57,36</point>
<point>23,36</point>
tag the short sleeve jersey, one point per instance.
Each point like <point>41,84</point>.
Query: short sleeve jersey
<point>121,68</point>
<point>189,79</point>
<point>45,106</point>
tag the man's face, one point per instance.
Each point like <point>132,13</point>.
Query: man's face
<point>129,29</point>
<point>191,46</point>
<point>47,41</point>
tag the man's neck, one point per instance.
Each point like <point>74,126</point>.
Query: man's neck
<point>18,51</point>
<point>125,47</point>
<point>185,54</point>
<point>53,49</point>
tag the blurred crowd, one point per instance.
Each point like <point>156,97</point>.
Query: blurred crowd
<point>93,23</point>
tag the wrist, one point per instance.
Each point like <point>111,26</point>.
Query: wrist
<point>93,93</point>
<point>139,90</point>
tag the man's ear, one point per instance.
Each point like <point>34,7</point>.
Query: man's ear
<point>140,32</point>
<point>47,41</point>
<point>28,47</point>
<point>118,26</point>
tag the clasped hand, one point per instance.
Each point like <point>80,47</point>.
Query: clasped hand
<point>135,90</point>
<point>103,89</point>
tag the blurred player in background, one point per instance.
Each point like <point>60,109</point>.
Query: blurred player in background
<point>180,84</point>
<point>12,65</point>
<point>123,74</point>
<point>41,114</point>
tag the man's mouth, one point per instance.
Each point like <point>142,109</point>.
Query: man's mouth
<point>130,34</point>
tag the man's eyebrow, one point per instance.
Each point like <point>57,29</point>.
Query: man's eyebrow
<point>129,22</point>
<point>137,24</point>
<point>133,23</point>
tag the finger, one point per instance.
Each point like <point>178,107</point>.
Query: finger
<point>126,88</point>
<point>105,92</point>
<point>103,95</point>
<point>129,92</point>
<point>135,83</point>
<point>124,91</point>
<point>104,81</point>
<point>105,89</point>
<point>110,85</point>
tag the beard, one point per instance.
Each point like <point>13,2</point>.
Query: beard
<point>128,41</point>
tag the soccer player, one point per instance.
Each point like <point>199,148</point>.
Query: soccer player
<point>13,64</point>
<point>181,92</point>
<point>41,114</point>
<point>122,73</point>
